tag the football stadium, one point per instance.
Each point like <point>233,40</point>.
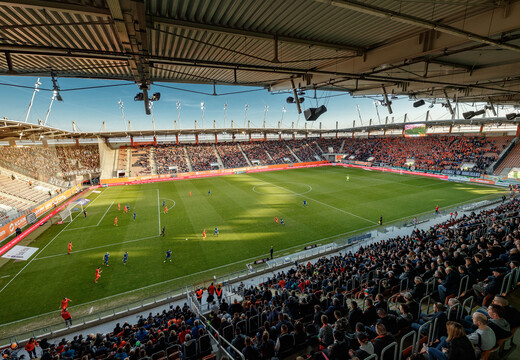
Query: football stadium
<point>155,204</point>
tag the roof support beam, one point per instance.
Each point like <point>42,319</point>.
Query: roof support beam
<point>57,5</point>
<point>476,79</point>
<point>251,34</point>
<point>130,22</point>
<point>396,54</point>
<point>416,21</point>
<point>380,79</point>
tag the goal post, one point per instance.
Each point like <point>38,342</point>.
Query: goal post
<point>66,214</point>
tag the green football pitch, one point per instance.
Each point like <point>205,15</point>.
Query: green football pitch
<point>243,208</point>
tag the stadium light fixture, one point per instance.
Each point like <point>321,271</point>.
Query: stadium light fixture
<point>55,88</point>
<point>202,107</point>
<point>418,103</point>
<point>511,116</point>
<point>468,115</point>
<point>225,114</point>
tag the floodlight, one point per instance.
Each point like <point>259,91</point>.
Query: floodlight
<point>156,97</point>
<point>139,97</point>
<point>468,115</point>
<point>511,116</point>
<point>312,114</point>
<point>418,103</point>
<point>290,100</point>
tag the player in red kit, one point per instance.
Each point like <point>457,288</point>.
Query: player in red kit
<point>115,221</point>
<point>70,247</point>
<point>276,219</point>
<point>98,274</point>
<point>64,303</point>
<point>204,234</point>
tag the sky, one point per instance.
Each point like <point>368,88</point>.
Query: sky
<point>90,107</point>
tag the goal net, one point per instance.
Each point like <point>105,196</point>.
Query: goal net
<point>66,214</point>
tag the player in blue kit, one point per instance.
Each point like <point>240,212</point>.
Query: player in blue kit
<point>209,192</point>
<point>163,203</point>
<point>134,216</point>
<point>125,257</point>
<point>304,203</point>
<point>281,221</point>
<point>105,262</point>
<point>168,256</point>
<point>216,231</point>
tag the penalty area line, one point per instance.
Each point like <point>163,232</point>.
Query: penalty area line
<point>50,242</point>
<point>99,247</point>
<point>99,222</point>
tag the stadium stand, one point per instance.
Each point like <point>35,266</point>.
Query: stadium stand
<point>169,154</point>
<point>201,156</point>
<point>435,153</point>
<point>34,161</point>
<point>123,159</point>
<point>512,160</point>
<point>256,152</point>
<point>429,153</point>
<point>53,165</point>
<point>231,155</point>
<point>325,143</point>
<point>303,150</point>
<point>78,160</point>
<point>140,160</point>
<point>279,152</point>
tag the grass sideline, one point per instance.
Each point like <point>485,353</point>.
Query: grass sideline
<point>242,206</point>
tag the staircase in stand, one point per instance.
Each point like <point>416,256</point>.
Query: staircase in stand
<point>188,161</point>
<point>244,154</point>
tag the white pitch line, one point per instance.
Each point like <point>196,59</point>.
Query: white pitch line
<point>1,277</point>
<point>98,247</point>
<point>159,211</point>
<point>99,222</point>
<point>333,207</point>
<point>83,227</point>
<point>50,242</point>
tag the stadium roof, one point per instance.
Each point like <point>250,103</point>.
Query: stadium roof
<point>17,130</point>
<point>463,49</point>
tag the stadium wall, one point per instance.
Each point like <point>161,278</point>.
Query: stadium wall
<point>10,228</point>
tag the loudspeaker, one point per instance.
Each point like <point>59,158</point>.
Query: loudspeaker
<point>312,114</point>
